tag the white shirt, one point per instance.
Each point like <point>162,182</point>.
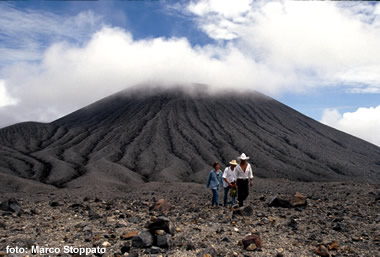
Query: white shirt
<point>229,175</point>
<point>240,174</point>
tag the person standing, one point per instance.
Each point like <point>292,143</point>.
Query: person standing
<point>244,176</point>
<point>213,182</point>
<point>229,181</point>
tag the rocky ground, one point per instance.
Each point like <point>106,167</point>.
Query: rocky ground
<point>340,219</point>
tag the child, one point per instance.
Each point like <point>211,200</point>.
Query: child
<point>213,182</point>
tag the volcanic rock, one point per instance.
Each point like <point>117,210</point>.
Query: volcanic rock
<point>293,224</point>
<point>93,215</point>
<point>133,253</point>
<point>322,251</point>
<point>252,239</point>
<point>226,239</point>
<point>129,235</point>
<point>143,240</point>
<point>161,206</point>
<point>279,202</point>
<point>125,248</point>
<point>338,226</point>
<point>11,205</point>
<point>164,241</point>
<point>244,211</point>
<point>298,200</point>
<point>162,223</point>
<point>56,203</point>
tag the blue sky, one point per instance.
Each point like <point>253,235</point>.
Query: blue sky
<point>319,58</point>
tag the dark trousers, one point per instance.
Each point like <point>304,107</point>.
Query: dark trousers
<point>215,197</point>
<point>226,190</point>
<point>243,190</point>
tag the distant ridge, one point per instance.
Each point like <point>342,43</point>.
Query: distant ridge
<point>168,135</point>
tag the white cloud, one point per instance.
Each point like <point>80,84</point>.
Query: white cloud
<point>363,123</point>
<point>219,19</point>
<point>321,43</point>
<point>228,9</point>
<point>5,98</point>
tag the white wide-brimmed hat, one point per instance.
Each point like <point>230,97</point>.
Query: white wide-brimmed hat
<point>243,157</point>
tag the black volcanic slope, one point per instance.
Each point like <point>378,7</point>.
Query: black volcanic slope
<point>129,138</point>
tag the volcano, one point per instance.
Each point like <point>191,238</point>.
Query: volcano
<point>138,136</point>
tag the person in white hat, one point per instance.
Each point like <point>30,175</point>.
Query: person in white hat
<point>244,176</point>
<point>229,181</point>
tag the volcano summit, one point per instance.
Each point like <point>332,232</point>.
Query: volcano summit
<point>169,135</point>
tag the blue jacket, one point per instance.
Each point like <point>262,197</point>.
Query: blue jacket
<point>214,180</point>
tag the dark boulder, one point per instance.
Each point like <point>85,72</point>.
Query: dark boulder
<point>279,202</point>
<point>143,240</point>
<point>164,241</point>
<point>11,205</point>
<point>125,248</point>
<point>244,211</point>
<point>56,203</point>
<point>162,223</point>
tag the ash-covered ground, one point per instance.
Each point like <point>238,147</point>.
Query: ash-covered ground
<point>340,219</point>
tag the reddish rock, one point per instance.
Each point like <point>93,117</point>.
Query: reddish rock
<point>333,246</point>
<point>298,200</point>
<point>129,235</point>
<point>252,239</point>
<point>162,205</point>
<point>322,251</point>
